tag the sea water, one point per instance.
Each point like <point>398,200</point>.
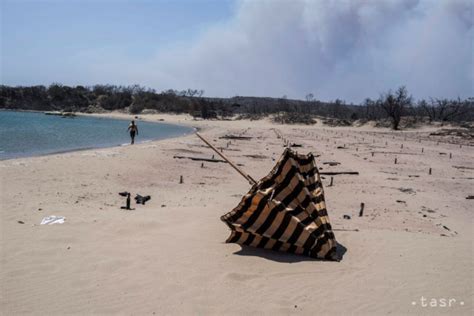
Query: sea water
<point>25,134</point>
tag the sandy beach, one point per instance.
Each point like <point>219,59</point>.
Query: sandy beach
<point>412,247</point>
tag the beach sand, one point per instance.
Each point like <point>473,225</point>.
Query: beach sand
<point>169,257</point>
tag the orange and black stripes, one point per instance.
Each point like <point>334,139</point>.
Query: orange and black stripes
<point>285,211</point>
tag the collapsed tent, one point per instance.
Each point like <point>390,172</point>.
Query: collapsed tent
<point>285,211</point>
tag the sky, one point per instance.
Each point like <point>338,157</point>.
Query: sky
<point>346,49</point>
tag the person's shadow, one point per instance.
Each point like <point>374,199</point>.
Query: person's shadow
<point>286,257</point>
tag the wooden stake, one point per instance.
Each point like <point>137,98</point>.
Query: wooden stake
<point>180,179</point>
<point>450,155</point>
<point>372,154</point>
<point>246,176</point>
<point>361,212</point>
<point>331,184</point>
<point>429,172</point>
<point>395,160</point>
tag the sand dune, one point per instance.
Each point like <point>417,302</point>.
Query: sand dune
<point>169,256</point>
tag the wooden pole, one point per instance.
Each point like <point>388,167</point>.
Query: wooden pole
<point>361,212</point>
<point>246,176</point>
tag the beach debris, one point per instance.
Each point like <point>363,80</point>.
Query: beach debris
<point>463,167</point>
<point>401,201</point>
<point>346,229</point>
<point>293,226</point>
<point>429,171</point>
<point>345,216</point>
<point>470,197</point>
<point>335,173</point>
<point>407,190</point>
<point>142,199</point>
<point>332,180</point>
<point>296,145</point>
<point>180,179</point>
<point>53,219</point>
<point>126,194</point>
<point>236,137</point>
<point>395,153</point>
<point>20,222</point>
<point>200,159</point>
<point>446,227</point>
<point>331,163</point>
<point>256,156</point>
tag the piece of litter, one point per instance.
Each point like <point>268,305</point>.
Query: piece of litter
<point>50,220</point>
<point>20,222</point>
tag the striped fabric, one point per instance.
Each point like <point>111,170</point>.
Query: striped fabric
<point>285,211</point>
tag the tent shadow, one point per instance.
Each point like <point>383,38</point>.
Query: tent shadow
<point>284,257</point>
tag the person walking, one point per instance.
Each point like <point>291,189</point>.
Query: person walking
<point>133,128</point>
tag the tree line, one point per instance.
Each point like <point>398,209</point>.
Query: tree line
<point>134,99</point>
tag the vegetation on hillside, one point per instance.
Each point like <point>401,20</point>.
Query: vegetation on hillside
<point>390,106</point>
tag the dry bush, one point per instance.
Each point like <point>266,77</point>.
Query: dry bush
<point>293,118</point>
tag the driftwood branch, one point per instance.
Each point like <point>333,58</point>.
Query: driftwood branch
<point>200,159</point>
<point>236,137</point>
<point>339,172</point>
<point>394,153</point>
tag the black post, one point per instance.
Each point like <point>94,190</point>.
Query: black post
<point>128,202</point>
<point>361,213</point>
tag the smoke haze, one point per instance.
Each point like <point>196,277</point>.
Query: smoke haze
<point>331,48</point>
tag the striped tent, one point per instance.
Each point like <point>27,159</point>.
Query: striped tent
<point>285,211</point>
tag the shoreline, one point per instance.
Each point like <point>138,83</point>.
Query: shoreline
<point>112,116</point>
